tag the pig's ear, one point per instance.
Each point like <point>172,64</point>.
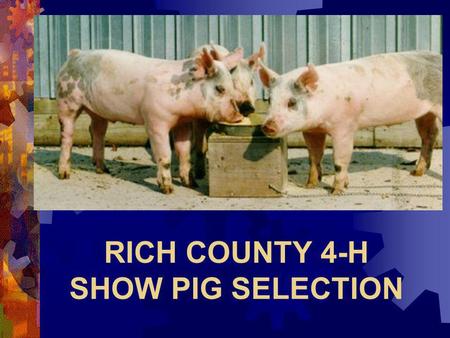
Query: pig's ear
<point>308,79</point>
<point>255,58</point>
<point>232,59</point>
<point>266,75</point>
<point>204,65</point>
<point>215,53</point>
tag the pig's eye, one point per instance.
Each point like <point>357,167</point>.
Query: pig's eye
<point>251,82</point>
<point>220,89</point>
<point>292,102</point>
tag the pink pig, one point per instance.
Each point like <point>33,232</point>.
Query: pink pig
<point>338,99</point>
<point>162,95</point>
<point>243,81</point>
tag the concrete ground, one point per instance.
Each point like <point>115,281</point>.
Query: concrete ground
<point>379,180</point>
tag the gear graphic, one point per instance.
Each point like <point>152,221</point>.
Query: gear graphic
<point>419,250</point>
<point>5,47</point>
<point>24,95</point>
<point>6,115</point>
<point>22,15</point>
<point>19,226</point>
<point>15,265</point>
<point>18,175</point>
<point>21,251</point>
<point>16,303</point>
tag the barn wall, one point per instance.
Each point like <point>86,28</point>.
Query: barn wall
<point>291,41</point>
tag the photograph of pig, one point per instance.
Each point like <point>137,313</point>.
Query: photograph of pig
<point>338,99</point>
<point>243,82</point>
<point>162,95</point>
<point>218,112</point>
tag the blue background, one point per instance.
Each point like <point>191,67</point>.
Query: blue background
<point>73,244</point>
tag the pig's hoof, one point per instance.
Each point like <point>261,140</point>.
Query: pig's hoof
<point>337,192</point>
<point>166,188</point>
<point>64,174</point>
<point>311,185</point>
<point>416,172</point>
<point>102,170</point>
<point>189,181</point>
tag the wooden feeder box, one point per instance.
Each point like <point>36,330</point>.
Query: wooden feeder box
<point>242,162</point>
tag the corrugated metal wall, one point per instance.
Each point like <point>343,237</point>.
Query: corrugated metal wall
<point>292,41</point>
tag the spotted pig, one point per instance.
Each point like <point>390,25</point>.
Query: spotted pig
<point>162,95</point>
<point>338,99</point>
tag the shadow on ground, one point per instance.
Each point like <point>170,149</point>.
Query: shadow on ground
<point>298,168</point>
<point>124,170</point>
<point>361,162</point>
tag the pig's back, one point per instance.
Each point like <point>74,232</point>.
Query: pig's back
<point>416,63</point>
<point>403,86</point>
<point>385,89</point>
<point>425,70</point>
<point>115,81</point>
<point>122,65</point>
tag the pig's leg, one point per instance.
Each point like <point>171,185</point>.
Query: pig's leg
<point>98,130</point>
<point>200,147</point>
<point>316,146</point>
<point>67,117</point>
<point>342,154</point>
<point>428,131</point>
<point>160,144</point>
<point>182,138</point>
<point>437,111</point>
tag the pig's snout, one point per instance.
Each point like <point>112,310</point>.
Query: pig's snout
<point>246,108</point>
<point>236,116</point>
<point>270,128</point>
<point>235,106</point>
